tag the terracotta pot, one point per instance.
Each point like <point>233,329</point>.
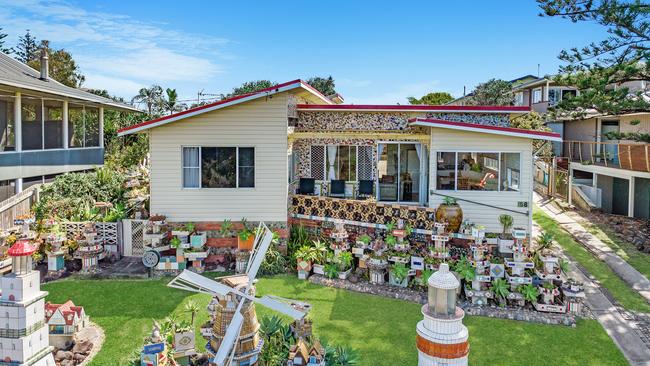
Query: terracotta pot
<point>245,244</point>
<point>453,215</point>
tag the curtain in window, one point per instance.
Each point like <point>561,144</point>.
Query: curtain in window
<point>191,167</point>
<point>331,157</point>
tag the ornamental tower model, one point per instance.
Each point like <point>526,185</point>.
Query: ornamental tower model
<point>441,336</point>
<point>24,338</point>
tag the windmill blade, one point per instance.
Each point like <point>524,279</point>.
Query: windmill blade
<point>281,306</point>
<point>190,281</point>
<point>229,339</point>
<point>259,253</point>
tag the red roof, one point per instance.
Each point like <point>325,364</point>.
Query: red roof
<point>497,130</point>
<point>222,103</point>
<point>416,107</point>
<point>21,248</point>
<point>68,310</point>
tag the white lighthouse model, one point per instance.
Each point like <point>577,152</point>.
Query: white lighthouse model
<point>441,336</point>
<point>24,336</point>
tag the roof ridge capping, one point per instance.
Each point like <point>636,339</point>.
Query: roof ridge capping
<point>289,85</point>
<point>416,107</point>
<point>495,130</point>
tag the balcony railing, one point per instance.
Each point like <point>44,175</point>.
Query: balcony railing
<point>613,154</point>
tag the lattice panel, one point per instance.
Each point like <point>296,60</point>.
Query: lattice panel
<point>318,162</point>
<point>137,236</point>
<point>107,232</point>
<point>365,162</point>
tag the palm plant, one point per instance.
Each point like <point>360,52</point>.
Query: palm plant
<point>500,290</point>
<point>506,221</point>
<point>149,96</point>
<point>170,103</point>
<point>192,308</point>
<point>545,241</point>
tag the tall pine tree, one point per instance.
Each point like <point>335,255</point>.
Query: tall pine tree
<point>26,49</point>
<point>3,49</point>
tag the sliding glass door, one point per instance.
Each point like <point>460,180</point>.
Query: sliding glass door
<point>400,173</point>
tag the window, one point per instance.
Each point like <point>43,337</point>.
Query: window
<point>218,167</point>
<point>346,162</point>
<point>478,171</point>
<point>7,133</point>
<point>519,99</point>
<point>568,94</point>
<point>32,123</point>
<point>537,95</point>
<point>553,96</point>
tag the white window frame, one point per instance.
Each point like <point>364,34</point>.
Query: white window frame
<point>541,95</point>
<point>499,188</point>
<point>325,166</point>
<point>200,147</point>
<point>423,188</point>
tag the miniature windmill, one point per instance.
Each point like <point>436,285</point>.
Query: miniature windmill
<point>236,305</point>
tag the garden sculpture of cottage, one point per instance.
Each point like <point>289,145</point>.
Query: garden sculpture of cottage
<point>64,321</point>
<point>301,354</point>
<point>442,339</point>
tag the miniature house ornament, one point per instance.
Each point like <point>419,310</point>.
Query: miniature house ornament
<point>24,338</point>
<point>442,339</point>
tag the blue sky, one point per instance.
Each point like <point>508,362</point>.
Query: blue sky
<point>378,51</point>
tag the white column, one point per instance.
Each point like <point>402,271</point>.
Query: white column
<point>18,124</point>
<point>101,127</point>
<point>65,125</point>
<point>570,179</point>
<point>630,204</point>
<point>19,185</point>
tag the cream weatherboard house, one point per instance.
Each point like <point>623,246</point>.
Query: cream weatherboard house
<point>288,153</point>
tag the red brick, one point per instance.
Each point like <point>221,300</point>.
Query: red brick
<point>283,233</point>
<point>222,242</point>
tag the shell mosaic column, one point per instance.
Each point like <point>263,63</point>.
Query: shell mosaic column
<point>442,339</point>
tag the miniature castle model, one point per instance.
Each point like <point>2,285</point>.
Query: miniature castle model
<point>64,320</point>
<point>222,310</point>
<point>441,336</point>
<point>23,333</point>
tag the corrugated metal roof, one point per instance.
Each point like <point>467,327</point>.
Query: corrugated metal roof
<point>18,75</point>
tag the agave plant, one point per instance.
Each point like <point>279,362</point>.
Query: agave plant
<point>529,292</point>
<point>500,289</point>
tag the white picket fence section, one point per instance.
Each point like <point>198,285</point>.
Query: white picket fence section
<point>133,237</point>
<point>109,233</point>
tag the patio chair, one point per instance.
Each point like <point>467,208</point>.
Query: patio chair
<point>366,188</point>
<point>306,186</point>
<point>337,188</point>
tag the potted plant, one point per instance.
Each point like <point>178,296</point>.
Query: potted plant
<point>391,240</point>
<point>225,228</point>
<point>305,256</point>
<point>505,239</point>
<point>492,238</point>
<point>363,241</point>
<point>344,261</point>
<point>321,250</point>
<point>464,270</point>
<point>175,242</point>
<point>529,292</point>
<point>245,237</point>
<point>157,221</point>
<point>501,290</point>
<point>331,270</point>
<point>549,291</point>
<point>450,212</point>
<point>398,275</point>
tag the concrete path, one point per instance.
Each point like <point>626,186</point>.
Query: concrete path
<point>624,270</point>
<point>626,334</point>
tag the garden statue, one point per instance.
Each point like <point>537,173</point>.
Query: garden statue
<point>442,339</point>
<point>90,250</point>
<point>340,236</point>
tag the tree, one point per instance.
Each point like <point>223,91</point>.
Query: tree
<point>251,87</point>
<point>26,49</point>
<point>170,102</point>
<point>492,92</point>
<point>150,96</point>
<point>2,43</point>
<point>435,98</point>
<point>61,66</point>
<point>595,68</point>
<point>324,85</point>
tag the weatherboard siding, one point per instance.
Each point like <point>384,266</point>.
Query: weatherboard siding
<point>443,140</point>
<point>262,124</point>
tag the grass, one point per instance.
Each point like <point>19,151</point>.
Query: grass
<point>637,259</point>
<point>382,330</point>
<point>624,294</point>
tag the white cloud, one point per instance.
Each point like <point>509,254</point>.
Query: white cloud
<point>396,94</point>
<point>117,51</point>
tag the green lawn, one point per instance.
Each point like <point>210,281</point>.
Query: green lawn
<point>382,330</point>
<point>624,294</point>
<point>639,260</point>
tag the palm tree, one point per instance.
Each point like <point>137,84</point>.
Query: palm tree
<point>170,104</point>
<point>192,308</point>
<point>149,96</point>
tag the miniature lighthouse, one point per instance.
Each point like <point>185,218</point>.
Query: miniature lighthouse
<point>441,336</point>
<point>24,338</point>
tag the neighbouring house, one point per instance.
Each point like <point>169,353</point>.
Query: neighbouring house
<point>288,152</point>
<point>46,128</point>
<point>606,173</point>
<point>64,320</point>
<point>465,99</point>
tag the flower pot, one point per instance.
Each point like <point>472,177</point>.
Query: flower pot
<point>452,214</point>
<point>344,275</point>
<point>245,244</point>
<point>396,282</point>
<point>318,269</point>
<point>357,251</point>
<point>492,241</point>
<point>417,263</point>
<point>198,240</point>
